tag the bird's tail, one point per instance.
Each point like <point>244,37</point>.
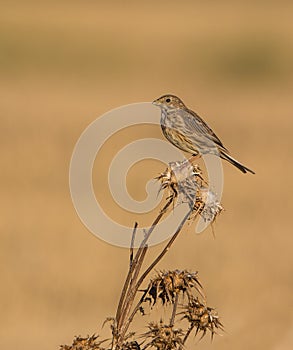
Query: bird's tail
<point>236,163</point>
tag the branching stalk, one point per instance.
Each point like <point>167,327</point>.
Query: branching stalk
<point>150,268</point>
<point>129,289</point>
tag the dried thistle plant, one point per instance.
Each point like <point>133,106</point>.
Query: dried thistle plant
<point>174,289</point>
<point>163,337</point>
<point>167,285</point>
<point>87,343</point>
<point>200,317</point>
<point>185,182</point>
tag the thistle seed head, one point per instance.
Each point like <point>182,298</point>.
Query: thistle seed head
<point>185,182</point>
<point>164,337</point>
<point>87,343</point>
<point>202,317</point>
<point>167,284</point>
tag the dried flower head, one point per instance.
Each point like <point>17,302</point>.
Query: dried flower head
<point>201,317</point>
<point>207,205</point>
<point>163,337</point>
<point>88,343</point>
<point>182,179</point>
<point>131,345</point>
<point>185,182</point>
<point>166,285</point>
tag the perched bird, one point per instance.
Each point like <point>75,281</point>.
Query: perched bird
<point>187,131</point>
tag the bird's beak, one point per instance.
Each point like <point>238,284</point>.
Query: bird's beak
<point>156,103</point>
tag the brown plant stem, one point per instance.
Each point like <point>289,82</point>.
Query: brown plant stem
<point>164,251</point>
<point>131,294</point>
<point>128,293</point>
<point>149,269</point>
<point>188,333</point>
<point>126,283</point>
<point>172,320</point>
<point>132,244</point>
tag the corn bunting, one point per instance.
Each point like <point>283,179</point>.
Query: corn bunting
<point>187,131</point>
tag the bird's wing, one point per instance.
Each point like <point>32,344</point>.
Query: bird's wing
<point>195,122</point>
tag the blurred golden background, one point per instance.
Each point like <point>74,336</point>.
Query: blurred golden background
<point>62,65</point>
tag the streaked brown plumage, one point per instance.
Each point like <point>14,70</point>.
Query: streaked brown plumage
<point>187,131</point>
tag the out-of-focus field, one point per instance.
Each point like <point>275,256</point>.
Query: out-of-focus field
<point>62,64</point>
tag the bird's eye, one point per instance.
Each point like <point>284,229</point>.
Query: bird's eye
<point>168,100</point>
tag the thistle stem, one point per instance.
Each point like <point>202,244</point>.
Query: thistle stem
<point>149,269</point>
<point>172,320</point>
<point>188,333</point>
<point>129,289</point>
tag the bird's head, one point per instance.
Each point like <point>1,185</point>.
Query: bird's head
<point>169,102</point>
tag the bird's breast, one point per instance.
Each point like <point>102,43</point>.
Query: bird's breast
<point>171,119</point>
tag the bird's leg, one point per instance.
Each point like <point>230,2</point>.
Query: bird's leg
<point>194,157</point>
